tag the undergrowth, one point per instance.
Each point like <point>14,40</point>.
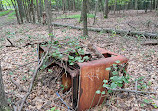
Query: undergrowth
<point>2,13</point>
<point>76,16</point>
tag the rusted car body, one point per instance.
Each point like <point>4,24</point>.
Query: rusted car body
<point>89,79</point>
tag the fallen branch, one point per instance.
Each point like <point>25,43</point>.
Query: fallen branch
<point>32,81</point>
<point>21,89</point>
<point>95,51</point>
<point>108,30</point>
<point>131,91</point>
<point>11,44</point>
<point>155,42</point>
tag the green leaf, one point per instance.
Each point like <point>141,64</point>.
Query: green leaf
<point>114,78</point>
<point>139,87</point>
<point>103,92</point>
<point>49,70</point>
<point>109,91</point>
<point>142,105</point>
<point>117,61</point>
<point>71,57</point>
<point>53,109</point>
<point>108,69</point>
<point>114,65</point>
<point>120,85</point>
<point>146,101</point>
<point>10,73</point>
<point>98,91</point>
<point>113,85</point>
<point>106,85</point>
<point>85,58</point>
<point>78,58</point>
<point>71,63</point>
<point>105,81</point>
<point>115,73</point>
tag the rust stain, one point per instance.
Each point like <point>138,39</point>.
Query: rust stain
<point>92,74</point>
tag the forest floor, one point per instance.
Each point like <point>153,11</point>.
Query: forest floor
<point>18,64</point>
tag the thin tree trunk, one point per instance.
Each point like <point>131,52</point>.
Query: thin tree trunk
<point>115,6</point>
<point>106,9</point>
<point>33,12</point>
<point>21,10</point>
<point>16,11</point>
<point>49,18</point>
<point>1,6</point>
<point>85,31</point>
<point>38,12</point>
<point>74,5</point>
<point>96,7</point>
<point>136,5</point>
<point>3,101</point>
<point>41,7</point>
<point>64,5</point>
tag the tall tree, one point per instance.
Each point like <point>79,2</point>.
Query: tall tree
<point>106,9</point>
<point>136,5</point>
<point>38,11</point>
<point>21,10</point>
<point>95,13</point>
<point>3,101</point>
<point>49,18</point>
<point>1,6</point>
<point>16,10</point>
<point>85,31</point>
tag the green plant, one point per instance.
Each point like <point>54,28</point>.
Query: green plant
<point>113,33</point>
<point>116,80</point>
<point>4,12</point>
<point>53,109</point>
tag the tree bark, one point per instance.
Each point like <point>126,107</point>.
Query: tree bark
<point>108,30</point>
<point>16,11</point>
<point>21,10</point>
<point>3,101</point>
<point>64,5</point>
<point>136,5</point>
<point>1,6</point>
<point>33,11</point>
<point>106,9</point>
<point>115,6</point>
<point>74,9</point>
<point>96,8</point>
<point>85,31</point>
<point>49,18</point>
<point>38,11</point>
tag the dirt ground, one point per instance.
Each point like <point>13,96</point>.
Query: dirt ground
<point>18,64</point>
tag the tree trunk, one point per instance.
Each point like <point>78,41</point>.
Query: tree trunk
<point>151,5</point>
<point>3,101</point>
<point>38,12</point>
<point>85,31</point>
<point>21,10</point>
<point>16,11</point>
<point>32,10</point>
<point>106,9</point>
<point>96,8</point>
<point>1,6</point>
<point>49,18</point>
<point>41,7</point>
<point>155,4</point>
<point>64,5</point>
<point>74,5</point>
<point>115,6</point>
<point>136,5</point>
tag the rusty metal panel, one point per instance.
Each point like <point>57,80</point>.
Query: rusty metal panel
<point>92,74</point>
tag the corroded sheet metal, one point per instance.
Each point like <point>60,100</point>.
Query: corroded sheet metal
<point>92,74</point>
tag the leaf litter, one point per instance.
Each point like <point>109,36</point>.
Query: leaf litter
<point>143,61</point>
